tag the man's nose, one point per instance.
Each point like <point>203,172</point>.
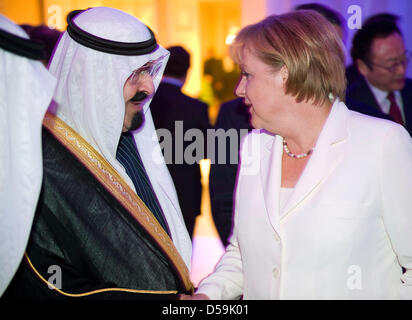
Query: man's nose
<point>146,84</point>
<point>401,66</point>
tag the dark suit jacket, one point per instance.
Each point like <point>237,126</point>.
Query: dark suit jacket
<point>169,105</point>
<point>352,74</point>
<point>359,97</point>
<point>232,115</point>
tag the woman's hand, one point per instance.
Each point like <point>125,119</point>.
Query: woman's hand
<point>196,296</point>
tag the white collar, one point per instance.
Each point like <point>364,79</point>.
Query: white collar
<point>379,94</point>
<point>381,97</point>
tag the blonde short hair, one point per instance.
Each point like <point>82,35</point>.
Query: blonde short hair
<point>307,44</point>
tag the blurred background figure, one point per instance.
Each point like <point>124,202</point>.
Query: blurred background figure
<point>178,113</point>
<point>382,90</point>
<point>26,90</point>
<point>352,73</point>
<point>213,74</point>
<point>234,116</point>
<point>333,16</point>
<point>220,75</point>
<point>45,35</point>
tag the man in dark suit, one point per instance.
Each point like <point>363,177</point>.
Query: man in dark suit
<point>179,114</point>
<point>352,73</point>
<point>383,91</point>
<point>233,115</point>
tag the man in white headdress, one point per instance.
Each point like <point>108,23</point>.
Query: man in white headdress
<point>26,89</point>
<point>108,223</point>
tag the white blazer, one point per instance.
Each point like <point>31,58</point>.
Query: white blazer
<point>346,230</point>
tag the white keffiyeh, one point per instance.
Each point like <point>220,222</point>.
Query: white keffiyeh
<point>89,98</point>
<point>26,89</point>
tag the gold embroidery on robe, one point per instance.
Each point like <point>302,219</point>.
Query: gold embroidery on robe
<point>114,183</point>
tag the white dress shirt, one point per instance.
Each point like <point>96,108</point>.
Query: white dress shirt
<point>383,101</point>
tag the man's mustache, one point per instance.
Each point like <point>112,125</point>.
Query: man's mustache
<point>139,96</point>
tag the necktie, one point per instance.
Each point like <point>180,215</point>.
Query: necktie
<point>128,155</point>
<point>394,111</point>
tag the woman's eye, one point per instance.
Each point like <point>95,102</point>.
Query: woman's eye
<point>245,74</point>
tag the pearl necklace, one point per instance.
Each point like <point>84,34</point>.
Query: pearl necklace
<point>296,156</point>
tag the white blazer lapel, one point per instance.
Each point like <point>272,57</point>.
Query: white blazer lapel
<point>270,176</point>
<point>328,153</point>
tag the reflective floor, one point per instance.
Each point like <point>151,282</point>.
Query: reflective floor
<point>207,246</point>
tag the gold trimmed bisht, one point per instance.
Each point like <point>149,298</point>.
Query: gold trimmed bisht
<point>114,183</point>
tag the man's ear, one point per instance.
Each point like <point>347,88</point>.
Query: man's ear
<point>362,67</point>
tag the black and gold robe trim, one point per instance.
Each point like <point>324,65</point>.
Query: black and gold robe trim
<point>114,184</point>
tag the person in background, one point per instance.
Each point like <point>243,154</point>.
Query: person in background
<point>26,90</point>
<point>233,118</point>
<point>383,91</point>
<point>352,72</point>
<point>107,213</point>
<point>47,36</point>
<point>176,112</point>
<point>333,16</point>
<point>325,212</point>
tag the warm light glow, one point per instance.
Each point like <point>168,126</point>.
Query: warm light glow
<point>205,169</point>
<point>230,38</point>
<point>232,35</point>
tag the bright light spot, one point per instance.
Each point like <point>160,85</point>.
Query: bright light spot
<point>230,38</point>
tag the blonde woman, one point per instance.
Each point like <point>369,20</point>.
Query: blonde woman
<point>328,212</point>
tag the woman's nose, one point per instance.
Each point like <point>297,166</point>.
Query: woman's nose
<point>240,88</point>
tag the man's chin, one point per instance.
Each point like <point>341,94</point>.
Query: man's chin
<point>137,121</point>
<point>398,84</point>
